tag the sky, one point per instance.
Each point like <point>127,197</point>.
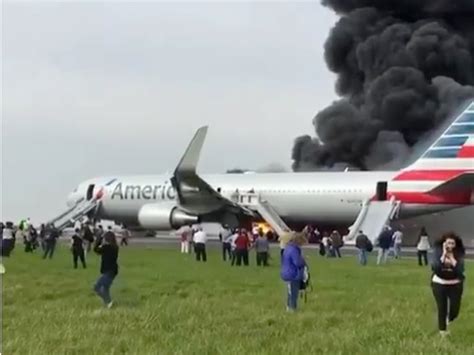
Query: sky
<point>101,88</point>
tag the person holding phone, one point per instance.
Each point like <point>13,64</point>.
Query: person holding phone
<point>108,249</point>
<point>448,278</point>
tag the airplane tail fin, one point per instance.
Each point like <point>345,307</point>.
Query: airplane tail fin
<point>446,168</point>
<point>453,150</point>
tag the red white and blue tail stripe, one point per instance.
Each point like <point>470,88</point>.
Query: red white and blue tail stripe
<point>452,152</point>
<point>445,171</point>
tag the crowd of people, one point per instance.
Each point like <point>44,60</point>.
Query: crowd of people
<point>447,260</point>
<point>390,243</point>
<point>236,244</point>
<point>86,237</point>
<point>447,264</point>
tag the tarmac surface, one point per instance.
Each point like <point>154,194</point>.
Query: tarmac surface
<point>167,241</point>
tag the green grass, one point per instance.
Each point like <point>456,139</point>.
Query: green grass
<point>169,304</point>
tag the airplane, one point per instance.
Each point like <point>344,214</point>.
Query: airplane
<point>441,179</point>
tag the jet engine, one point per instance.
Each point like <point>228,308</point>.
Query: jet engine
<point>164,216</point>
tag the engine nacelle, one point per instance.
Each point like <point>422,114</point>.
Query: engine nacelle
<point>164,216</point>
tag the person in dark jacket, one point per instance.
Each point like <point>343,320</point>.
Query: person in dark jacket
<point>87,236</point>
<point>28,235</point>
<point>33,237</point>
<point>322,244</point>
<point>108,249</point>
<point>336,243</point>
<point>292,267</point>
<point>8,239</point>
<point>77,248</point>
<point>384,241</point>
<point>364,246</point>
<point>50,242</point>
<point>42,237</point>
<point>448,278</point>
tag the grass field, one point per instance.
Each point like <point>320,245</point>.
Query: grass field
<point>166,303</point>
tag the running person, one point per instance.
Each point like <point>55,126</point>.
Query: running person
<point>448,278</point>
<point>108,249</point>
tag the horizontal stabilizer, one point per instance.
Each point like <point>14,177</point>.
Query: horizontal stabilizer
<point>461,182</point>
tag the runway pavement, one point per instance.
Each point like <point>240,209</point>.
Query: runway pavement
<point>167,241</point>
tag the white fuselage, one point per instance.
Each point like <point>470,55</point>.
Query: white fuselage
<point>441,179</point>
<point>329,197</point>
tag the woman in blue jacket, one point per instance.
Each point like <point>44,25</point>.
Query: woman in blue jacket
<point>292,268</point>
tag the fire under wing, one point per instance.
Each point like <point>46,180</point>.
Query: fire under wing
<point>440,180</point>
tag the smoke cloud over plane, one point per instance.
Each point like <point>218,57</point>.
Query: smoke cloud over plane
<point>402,67</point>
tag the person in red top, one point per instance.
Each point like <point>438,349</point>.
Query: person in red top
<point>242,244</point>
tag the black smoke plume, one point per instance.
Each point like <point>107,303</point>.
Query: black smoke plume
<point>402,67</point>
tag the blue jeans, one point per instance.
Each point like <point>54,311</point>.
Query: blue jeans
<point>102,286</point>
<point>382,256</point>
<point>363,256</point>
<point>293,292</point>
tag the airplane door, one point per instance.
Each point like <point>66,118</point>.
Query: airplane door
<point>90,192</point>
<point>382,191</point>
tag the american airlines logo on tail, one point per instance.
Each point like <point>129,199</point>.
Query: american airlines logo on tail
<point>440,180</point>
<point>445,172</point>
<point>453,151</point>
<point>457,142</point>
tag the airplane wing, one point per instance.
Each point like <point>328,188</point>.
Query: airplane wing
<point>194,194</point>
<point>464,181</point>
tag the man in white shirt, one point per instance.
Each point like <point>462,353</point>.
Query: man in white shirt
<point>255,230</point>
<point>224,236</point>
<point>233,238</point>
<point>200,239</point>
<point>397,243</point>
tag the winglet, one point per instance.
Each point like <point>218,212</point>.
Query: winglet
<point>189,161</point>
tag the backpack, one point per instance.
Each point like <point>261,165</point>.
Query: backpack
<point>306,278</point>
<point>305,284</point>
<point>322,249</point>
<point>88,235</point>
<point>370,246</point>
